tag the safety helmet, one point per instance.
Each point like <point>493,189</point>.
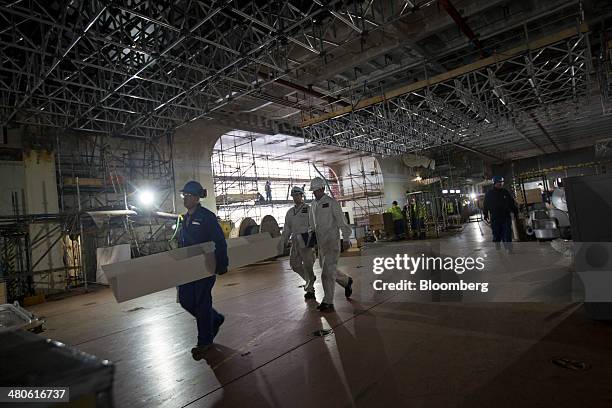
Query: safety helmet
<point>497,179</point>
<point>297,190</point>
<point>195,188</point>
<point>317,183</point>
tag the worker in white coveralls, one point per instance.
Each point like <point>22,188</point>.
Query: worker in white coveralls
<point>301,257</point>
<point>326,221</point>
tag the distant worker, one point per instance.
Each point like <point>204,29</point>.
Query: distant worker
<point>417,214</point>
<point>398,219</point>
<point>498,207</point>
<point>268,191</point>
<point>301,257</point>
<point>326,221</point>
<point>200,225</point>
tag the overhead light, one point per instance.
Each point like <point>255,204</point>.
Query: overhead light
<point>452,191</point>
<point>444,191</point>
<point>146,198</point>
<point>457,191</point>
<point>473,196</point>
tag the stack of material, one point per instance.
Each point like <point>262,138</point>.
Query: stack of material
<point>532,196</point>
<point>382,222</point>
<point>376,222</point>
<point>235,198</point>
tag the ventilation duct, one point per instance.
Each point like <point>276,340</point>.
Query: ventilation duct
<point>413,160</point>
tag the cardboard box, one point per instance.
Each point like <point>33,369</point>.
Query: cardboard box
<point>389,224</point>
<point>376,221</point>
<point>533,196</point>
<point>110,255</point>
<point>149,274</point>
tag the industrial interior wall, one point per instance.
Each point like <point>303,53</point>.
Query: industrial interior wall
<point>193,147</point>
<point>397,179</point>
<point>12,177</point>
<point>563,164</point>
<point>12,184</point>
<point>41,198</point>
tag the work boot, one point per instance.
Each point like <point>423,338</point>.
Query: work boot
<point>199,351</point>
<point>218,326</point>
<point>348,289</point>
<point>325,307</point>
<point>309,295</point>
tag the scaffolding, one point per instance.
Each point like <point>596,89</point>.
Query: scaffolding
<point>240,171</point>
<point>98,172</point>
<point>56,251</point>
<point>362,190</point>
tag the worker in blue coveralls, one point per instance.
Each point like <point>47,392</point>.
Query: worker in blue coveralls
<point>200,225</point>
<point>498,207</point>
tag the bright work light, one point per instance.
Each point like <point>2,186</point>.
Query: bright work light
<point>146,198</point>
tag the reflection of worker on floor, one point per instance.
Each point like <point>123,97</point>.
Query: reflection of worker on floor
<point>498,207</point>
<point>326,220</point>
<point>268,191</point>
<point>200,225</point>
<point>398,220</point>
<point>417,213</point>
<point>301,257</point>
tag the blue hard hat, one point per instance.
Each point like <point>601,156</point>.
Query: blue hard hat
<point>195,188</point>
<point>497,179</point>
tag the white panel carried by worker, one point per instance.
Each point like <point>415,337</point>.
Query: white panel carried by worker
<point>326,221</point>
<point>301,257</point>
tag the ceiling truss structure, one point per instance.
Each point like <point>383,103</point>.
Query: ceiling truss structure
<point>142,68</point>
<point>479,105</point>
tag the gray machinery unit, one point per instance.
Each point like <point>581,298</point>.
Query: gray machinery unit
<point>589,203</point>
<point>550,221</point>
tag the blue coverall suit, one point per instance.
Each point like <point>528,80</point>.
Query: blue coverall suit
<point>196,297</point>
<point>500,204</point>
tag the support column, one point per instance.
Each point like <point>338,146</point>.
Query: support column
<point>193,148</point>
<point>41,198</point>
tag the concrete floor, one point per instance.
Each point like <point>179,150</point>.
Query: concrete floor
<point>383,352</point>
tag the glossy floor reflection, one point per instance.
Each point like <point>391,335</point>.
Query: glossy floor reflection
<point>381,352</point>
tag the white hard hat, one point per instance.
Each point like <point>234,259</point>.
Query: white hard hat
<point>297,190</point>
<point>317,183</point>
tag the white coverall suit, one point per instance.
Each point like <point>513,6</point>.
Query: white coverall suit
<point>301,258</point>
<point>327,220</point>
